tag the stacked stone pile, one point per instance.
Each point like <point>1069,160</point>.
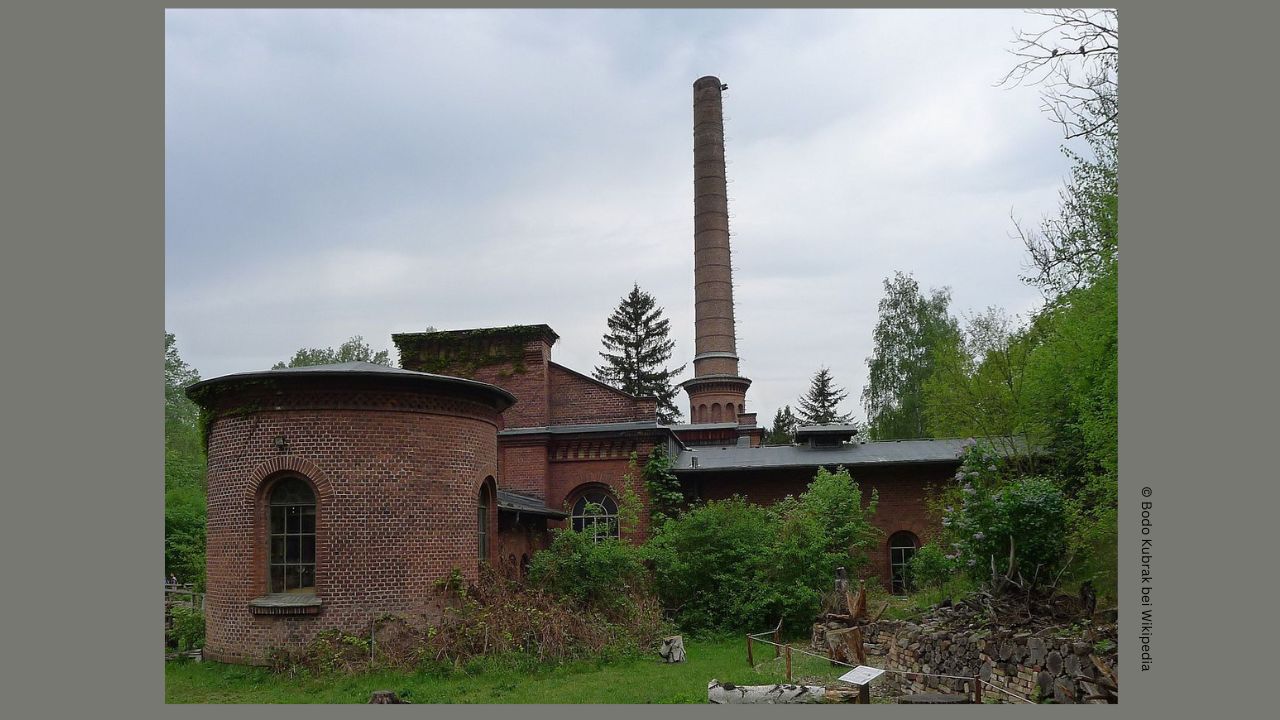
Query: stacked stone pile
<point>1069,665</point>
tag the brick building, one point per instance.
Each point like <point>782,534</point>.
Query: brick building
<point>340,493</point>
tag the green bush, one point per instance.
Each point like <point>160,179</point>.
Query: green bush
<point>706,563</point>
<point>987,515</point>
<point>731,564</point>
<point>187,631</point>
<point>184,534</point>
<point>597,573</point>
<point>929,568</point>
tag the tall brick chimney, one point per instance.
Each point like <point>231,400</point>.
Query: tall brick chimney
<point>716,393</point>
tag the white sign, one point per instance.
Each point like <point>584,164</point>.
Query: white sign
<point>861,675</point>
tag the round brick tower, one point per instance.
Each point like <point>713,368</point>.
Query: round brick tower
<point>716,392</point>
<point>338,494</point>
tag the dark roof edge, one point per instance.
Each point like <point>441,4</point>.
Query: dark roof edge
<point>854,463</point>
<point>515,502</point>
<point>592,428</point>
<point>198,390</point>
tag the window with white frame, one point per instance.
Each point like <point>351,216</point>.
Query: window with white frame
<point>902,546</point>
<point>596,513</point>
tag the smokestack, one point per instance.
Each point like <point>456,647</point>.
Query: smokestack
<point>715,345</point>
<point>716,393</point>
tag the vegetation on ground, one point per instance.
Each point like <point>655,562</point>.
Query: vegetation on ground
<point>638,678</point>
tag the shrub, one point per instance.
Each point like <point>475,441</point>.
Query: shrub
<point>493,623</point>
<point>987,514</point>
<point>730,564</point>
<point>665,498</point>
<point>929,567</point>
<point>706,563</point>
<point>184,534</point>
<point>187,630</point>
<point>603,573</point>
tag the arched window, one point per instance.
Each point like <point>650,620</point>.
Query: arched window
<point>482,524</point>
<point>596,513</point>
<point>715,412</point>
<point>292,553</point>
<point>702,413</point>
<point>902,545</point>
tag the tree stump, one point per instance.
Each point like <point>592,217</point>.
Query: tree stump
<point>672,650</point>
<point>845,645</point>
<point>385,697</point>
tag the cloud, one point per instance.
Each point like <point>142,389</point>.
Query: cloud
<point>331,173</point>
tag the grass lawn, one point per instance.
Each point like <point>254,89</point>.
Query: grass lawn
<point>624,681</point>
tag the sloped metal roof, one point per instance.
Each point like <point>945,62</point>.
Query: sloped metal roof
<point>588,428</point>
<point>516,502</point>
<point>851,454</point>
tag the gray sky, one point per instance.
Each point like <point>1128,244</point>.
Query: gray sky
<point>332,173</point>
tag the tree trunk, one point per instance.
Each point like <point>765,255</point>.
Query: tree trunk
<point>730,694</point>
<point>845,645</point>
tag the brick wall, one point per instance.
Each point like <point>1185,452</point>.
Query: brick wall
<point>568,477</point>
<point>579,400</point>
<point>901,493</point>
<point>397,475</point>
<point>514,359</point>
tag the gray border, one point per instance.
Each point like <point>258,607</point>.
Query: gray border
<point>84,161</point>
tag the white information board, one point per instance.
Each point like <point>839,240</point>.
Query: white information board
<point>861,675</point>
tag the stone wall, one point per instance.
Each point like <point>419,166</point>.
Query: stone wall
<point>1034,666</point>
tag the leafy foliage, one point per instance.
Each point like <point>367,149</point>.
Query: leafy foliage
<point>180,414</point>
<point>783,430</point>
<point>706,564</point>
<point>184,534</point>
<point>820,405</point>
<point>353,350</point>
<point>929,568</point>
<point>184,468</point>
<point>665,498</point>
<point>909,329</point>
<point>600,572</point>
<point>1081,242</point>
<point>988,515</point>
<point>978,384</point>
<point>729,564</point>
<point>187,631</point>
<point>637,348</point>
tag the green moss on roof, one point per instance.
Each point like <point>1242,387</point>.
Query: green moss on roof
<point>509,332</point>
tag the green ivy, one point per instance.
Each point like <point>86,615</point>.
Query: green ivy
<point>665,498</point>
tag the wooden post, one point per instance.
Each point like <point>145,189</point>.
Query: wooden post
<point>864,694</point>
<point>977,689</point>
<point>777,639</point>
<point>788,663</point>
<point>750,660</point>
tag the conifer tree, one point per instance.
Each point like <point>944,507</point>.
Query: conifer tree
<point>637,348</point>
<point>784,427</point>
<point>818,406</point>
